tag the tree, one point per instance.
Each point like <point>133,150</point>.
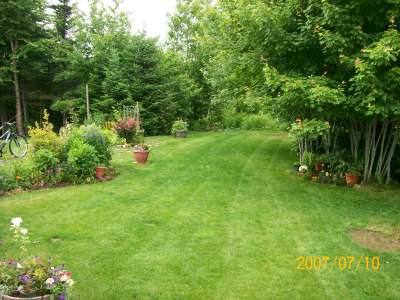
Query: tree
<point>20,22</point>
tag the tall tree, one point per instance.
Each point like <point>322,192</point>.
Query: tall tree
<point>20,22</point>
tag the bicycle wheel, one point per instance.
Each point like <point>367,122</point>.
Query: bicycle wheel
<point>18,146</point>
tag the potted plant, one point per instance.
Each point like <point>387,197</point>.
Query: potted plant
<point>31,277</point>
<point>179,129</point>
<point>101,172</point>
<point>352,174</point>
<point>141,153</point>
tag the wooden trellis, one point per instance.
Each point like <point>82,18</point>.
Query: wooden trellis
<point>133,112</point>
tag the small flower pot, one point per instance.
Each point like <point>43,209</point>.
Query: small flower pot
<point>181,134</point>
<point>351,179</point>
<point>101,172</point>
<point>141,156</point>
<point>315,178</point>
<point>46,297</point>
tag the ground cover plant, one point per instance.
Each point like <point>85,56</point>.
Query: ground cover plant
<point>212,223</point>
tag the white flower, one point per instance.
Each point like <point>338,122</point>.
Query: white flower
<point>64,278</point>
<point>19,266</point>
<point>24,231</point>
<point>303,168</point>
<point>49,281</point>
<point>16,221</point>
<point>70,282</point>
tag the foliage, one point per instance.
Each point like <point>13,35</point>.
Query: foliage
<point>42,137</point>
<point>82,159</point>
<point>179,125</point>
<point>126,128</point>
<point>102,143</point>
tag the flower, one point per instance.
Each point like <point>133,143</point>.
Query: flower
<point>24,231</point>
<point>64,278</point>
<point>49,281</point>
<point>70,282</point>
<point>18,178</point>
<point>303,168</point>
<point>16,222</point>
<point>24,278</point>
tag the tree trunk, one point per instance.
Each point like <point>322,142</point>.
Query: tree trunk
<point>18,109</point>
<point>24,104</point>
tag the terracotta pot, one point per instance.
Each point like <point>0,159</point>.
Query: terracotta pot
<point>181,134</point>
<point>100,172</point>
<point>141,156</point>
<point>351,179</point>
<point>46,297</point>
<point>318,166</point>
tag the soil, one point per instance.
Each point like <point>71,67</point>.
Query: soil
<point>375,240</point>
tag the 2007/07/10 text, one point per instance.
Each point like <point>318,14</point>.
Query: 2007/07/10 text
<point>342,263</point>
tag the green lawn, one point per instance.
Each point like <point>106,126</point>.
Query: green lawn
<point>215,216</point>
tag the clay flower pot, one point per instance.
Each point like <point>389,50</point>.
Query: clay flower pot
<point>46,297</point>
<point>351,179</point>
<point>101,172</point>
<point>141,156</point>
<point>181,134</point>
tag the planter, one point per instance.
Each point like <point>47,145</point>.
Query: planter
<point>46,297</point>
<point>181,134</point>
<point>315,178</point>
<point>351,179</point>
<point>101,172</point>
<point>141,156</point>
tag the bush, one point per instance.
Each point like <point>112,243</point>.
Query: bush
<point>179,125</point>
<point>232,120</point>
<point>24,173</point>
<point>101,142</point>
<point>43,137</point>
<point>82,159</point>
<point>46,163</point>
<point>6,182</point>
<point>126,128</point>
<point>254,122</point>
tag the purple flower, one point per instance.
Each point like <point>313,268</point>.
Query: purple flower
<point>61,297</point>
<point>24,278</point>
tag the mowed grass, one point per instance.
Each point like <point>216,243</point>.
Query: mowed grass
<point>215,216</point>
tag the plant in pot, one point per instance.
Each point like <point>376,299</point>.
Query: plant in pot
<point>352,173</point>
<point>31,277</point>
<point>141,153</point>
<point>179,129</point>
<point>101,171</point>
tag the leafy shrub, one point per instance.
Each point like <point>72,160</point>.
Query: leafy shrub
<point>24,173</point>
<point>101,141</point>
<point>253,122</point>
<point>43,137</point>
<point>7,183</point>
<point>179,125</point>
<point>232,120</point>
<point>83,160</point>
<point>47,164</point>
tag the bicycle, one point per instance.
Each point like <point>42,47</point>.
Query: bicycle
<point>17,144</point>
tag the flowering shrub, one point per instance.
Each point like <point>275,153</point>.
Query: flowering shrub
<point>126,128</point>
<point>102,142</point>
<point>31,276</point>
<point>42,136</point>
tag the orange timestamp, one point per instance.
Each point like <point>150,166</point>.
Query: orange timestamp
<point>338,262</point>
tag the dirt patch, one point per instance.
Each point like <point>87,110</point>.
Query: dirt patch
<point>377,241</point>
